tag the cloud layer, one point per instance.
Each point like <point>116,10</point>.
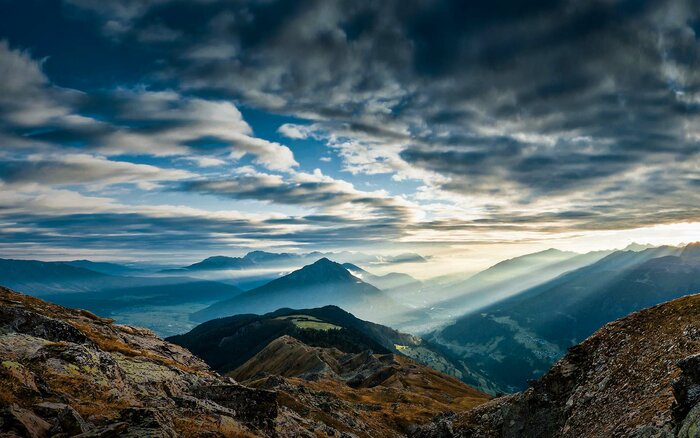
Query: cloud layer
<point>542,117</point>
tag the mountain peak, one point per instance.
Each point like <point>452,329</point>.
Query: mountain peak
<point>691,250</point>
<point>325,261</point>
<point>634,246</point>
<point>323,269</point>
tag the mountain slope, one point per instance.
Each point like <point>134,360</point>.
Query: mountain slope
<point>48,277</point>
<point>226,343</point>
<point>511,276</point>
<point>517,339</point>
<point>400,391</point>
<point>321,283</point>
<point>387,282</point>
<point>446,298</point>
<point>621,381</point>
<point>105,267</point>
<point>160,303</point>
<point>69,372</point>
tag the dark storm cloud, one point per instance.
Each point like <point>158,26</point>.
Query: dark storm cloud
<point>572,94</point>
<point>591,106</point>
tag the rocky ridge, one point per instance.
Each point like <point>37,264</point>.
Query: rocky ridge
<point>364,394</point>
<point>638,376</point>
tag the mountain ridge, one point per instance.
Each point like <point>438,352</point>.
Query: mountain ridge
<point>323,282</point>
<point>535,327</point>
<point>633,377</point>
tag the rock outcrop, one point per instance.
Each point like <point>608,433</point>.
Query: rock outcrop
<point>636,377</point>
<point>68,372</point>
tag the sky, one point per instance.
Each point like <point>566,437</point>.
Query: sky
<point>467,132</point>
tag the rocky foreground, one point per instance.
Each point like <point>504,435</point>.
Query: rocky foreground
<point>67,372</point>
<point>636,377</point>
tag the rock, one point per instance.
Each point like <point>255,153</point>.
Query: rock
<point>26,322</point>
<point>690,427</point>
<point>622,381</point>
<point>256,407</point>
<point>110,431</point>
<point>146,422</point>
<point>686,389</point>
<point>23,422</point>
<point>66,419</point>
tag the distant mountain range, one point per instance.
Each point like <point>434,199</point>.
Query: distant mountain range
<point>446,300</point>
<point>398,286</point>
<point>323,282</point>
<point>107,267</point>
<point>263,259</point>
<point>518,338</point>
<point>133,298</point>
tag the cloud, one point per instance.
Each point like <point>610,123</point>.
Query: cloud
<point>544,117</point>
<point>84,169</point>
<point>332,196</point>
<point>167,123</point>
<point>297,132</point>
<point>36,114</point>
<point>48,220</point>
<point>119,17</point>
<point>516,102</point>
<point>27,98</point>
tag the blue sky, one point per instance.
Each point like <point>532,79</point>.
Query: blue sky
<point>138,128</point>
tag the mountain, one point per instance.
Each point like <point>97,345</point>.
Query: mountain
<point>450,299</point>
<point>635,377</point>
<point>400,391</point>
<point>386,282</point>
<point>69,372</point>
<point>513,275</point>
<point>519,338</point>
<point>263,259</point>
<point>161,303</point>
<point>322,283</point>
<point>634,246</point>
<point>106,267</point>
<point>48,277</point>
<point>227,343</point>
<point>250,260</point>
